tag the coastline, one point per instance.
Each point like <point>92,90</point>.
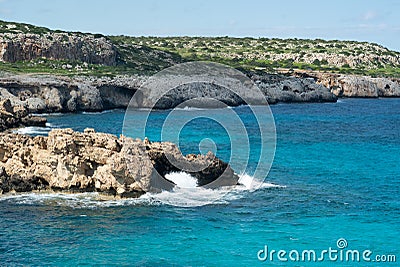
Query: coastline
<point>99,162</point>
<point>53,94</point>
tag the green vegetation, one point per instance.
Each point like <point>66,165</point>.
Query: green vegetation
<point>142,58</point>
<point>12,27</point>
<point>271,55</point>
<point>65,67</point>
<point>151,54</point>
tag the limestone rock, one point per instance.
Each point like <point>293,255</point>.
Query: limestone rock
<point>280,88</point>
<point>343,85</point>
<point>15,116</point>
<point>89,161</point>
<point>63,94</point>
<point>68,46</point>
<point>48,93</point>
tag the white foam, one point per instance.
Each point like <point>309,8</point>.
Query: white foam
<point>191,108</point>
<point>33,130</point>
<point>250,183</point>
<point>199,196</point>
<point>182,179</point>
<point>48,114</point>
<point>179,196</point>
<point>76,200</point>
<point>246,180</point>
<point>189,197</point>
<point>99,112</point>
<point>187,108</point>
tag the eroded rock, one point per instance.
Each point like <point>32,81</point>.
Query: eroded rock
<point>89,161</point>
<point>15,116</point>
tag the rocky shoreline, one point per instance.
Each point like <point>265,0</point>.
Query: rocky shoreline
<point>49,93</point>
<point>23,94</point>
<point>343,85</point>
<point>68,161</point>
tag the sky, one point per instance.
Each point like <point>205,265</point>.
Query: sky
<point>372,21</point>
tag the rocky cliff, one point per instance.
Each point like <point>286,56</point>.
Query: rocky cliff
<point>66,46</point>
<point>49,93</point>
<point>355,85</point>
<point>288,89</point>
<point>98,162</point>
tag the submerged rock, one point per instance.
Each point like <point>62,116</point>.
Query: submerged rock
<point>89,161</point>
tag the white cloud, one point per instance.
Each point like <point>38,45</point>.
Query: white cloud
<point>369,15</point>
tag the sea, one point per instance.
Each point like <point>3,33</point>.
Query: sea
<point>331,196</point>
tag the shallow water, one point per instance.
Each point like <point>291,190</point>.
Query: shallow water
<point>335,175</point>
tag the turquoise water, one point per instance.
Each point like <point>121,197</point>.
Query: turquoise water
<point>335,175</point>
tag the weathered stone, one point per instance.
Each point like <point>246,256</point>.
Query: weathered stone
<point>68,46</point>
<point>280,88</point>
<point>343,85</point>
<point>15,116</point>
<point>33,121</point>
<point>90,161</point>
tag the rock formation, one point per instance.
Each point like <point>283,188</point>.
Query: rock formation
<point>343,85</point>
<point>86,162</point>
<point>280,88</point>
<point>15,116</point>
<point>48,93</point>
<point>66,46</point>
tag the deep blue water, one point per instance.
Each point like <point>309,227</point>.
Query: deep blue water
<point>337,165</point>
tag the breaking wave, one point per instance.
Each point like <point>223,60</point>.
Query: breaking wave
<point>179,196</point>
<point>34,130</point>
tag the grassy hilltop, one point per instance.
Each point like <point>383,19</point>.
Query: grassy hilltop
<point>147,55</point>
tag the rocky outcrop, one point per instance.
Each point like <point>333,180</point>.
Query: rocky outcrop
<point>60,46</point>
<point>63,94</point>
<point>168,91</point>
<point>280,88</point>
<point>15,116</point>
<point>86,162</point>
<point>47,93</point>
<point>343,85</point>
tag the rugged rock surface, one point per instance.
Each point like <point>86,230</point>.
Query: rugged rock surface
<point>15,116</point>
<point>47,93</point>
<point>66,46</point>
<point>90,161</point>
<point>356,86</point>
<point>280,88</point>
